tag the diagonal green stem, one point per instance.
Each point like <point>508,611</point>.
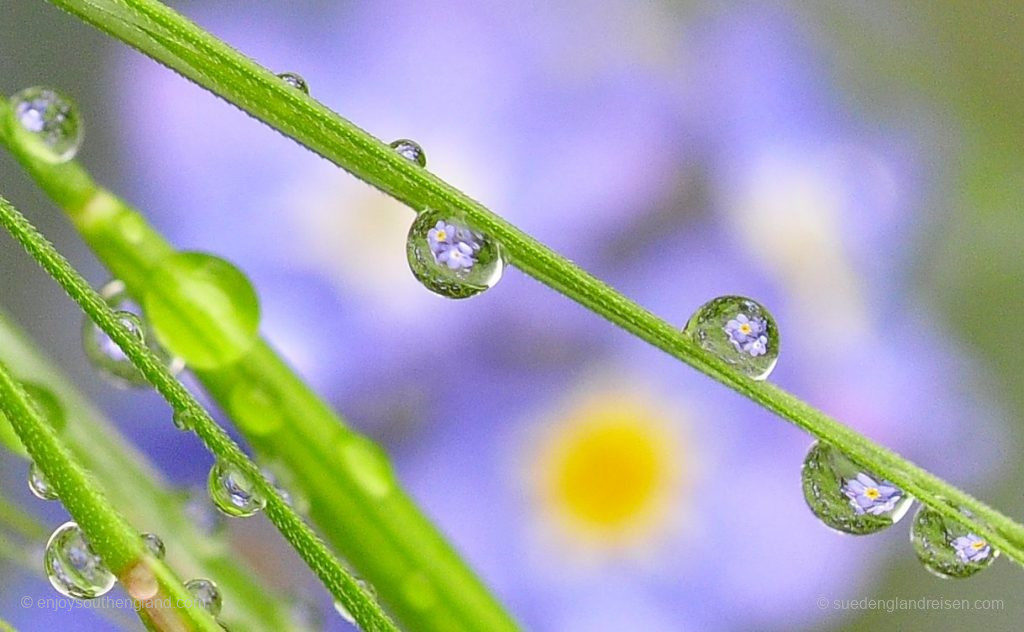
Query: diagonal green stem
<point>134,486</point>
<point>312,550</point>
<point>171,39</point>
<point>383,535</point>
<point>114,540</point>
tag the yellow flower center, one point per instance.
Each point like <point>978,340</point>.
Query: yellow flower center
<point>872,493</point>
<point>979,545</point>
<point>745,329</point>
<point>610,467</point>
<point>442,235</point>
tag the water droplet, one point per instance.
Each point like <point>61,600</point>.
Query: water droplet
<point>368,465</point>
<point>202,309</point>
<point>183,419</point>
<point>947,547</point>
<point>38,485</point>
<point>72,567</point>
<point>256,410</point>
<point>104,353</point>
<point>47,123</point>
<point>155,545</point>
<point>739,331</point>
<point>846,497</point>
<point>451,259</point>
<point>232,492</point>
<point>294,81</point>
<point>47,405</point>
<point>411,151</point>
<point>206,594</point>
<point>343,611</point>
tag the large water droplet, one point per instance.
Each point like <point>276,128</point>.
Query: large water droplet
<point>47,122</point>
<point>232,492</point>
<point>256,410</point>
<point>848,498</point>
<point>739,331</point>
<point>206,594</point>
<point>948,547</point>
<point>451,259</point>
<point>411,151</point>
<point>368,466</point>
<point>38,485</point>
<point>203,309</point>
<point>104,353</point>
<point>294,81</point>
<point>154,544</point>
<point>72,567</point>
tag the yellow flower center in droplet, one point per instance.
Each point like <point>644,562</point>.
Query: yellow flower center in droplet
<point>442,235</point>
<point>745,329</point>
<point>609,467</point>
<point>979,545</point>
<point>872,493</point>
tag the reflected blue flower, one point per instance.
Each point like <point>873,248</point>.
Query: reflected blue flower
<point>971,548</point>
<point>868,496</point>
<point>747,334</point>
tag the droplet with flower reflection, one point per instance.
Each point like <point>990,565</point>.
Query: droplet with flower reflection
<point>739,331</point>
<point>207,595</point>
<point>72,567</point>
<point>38,485</point>
<point>947,547</point>
<point>450,258</point>
<point>295,81</point>
<point>846,497</point>
<point>155,545</point>
<point>104,354</point>
<point>203,309</point>
<point>47,123</point>
<point>411,151</point>
<point>232,492</point>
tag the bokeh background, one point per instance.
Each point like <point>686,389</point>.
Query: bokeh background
<point>856,167</point>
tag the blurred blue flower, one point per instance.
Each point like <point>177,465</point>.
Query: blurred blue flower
<point>594,482</point>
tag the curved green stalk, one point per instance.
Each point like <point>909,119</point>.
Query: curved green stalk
<point>171,39</point>
<point>312,550</point>
<point>133,485</point>
<point>379,530</point>
<point>119,545</point>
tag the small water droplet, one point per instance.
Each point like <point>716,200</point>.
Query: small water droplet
<point>38,485</point>
<point>183,419</point>
<point>368,465</point>
<point>739,331</point>
<point>411,151</point>
<point>451,259</point>
<point>343,611</point>
<point>294,81</point>
<point>206,594</point>
<point>72,567</point>
<point>846,497</point>
<point>155,545</point>
<point>232,492</point>
<point>948,547</point>
<point>107,356</point>
<point>255,409</point>
<point>202,309</point>
<point>48,123</point>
